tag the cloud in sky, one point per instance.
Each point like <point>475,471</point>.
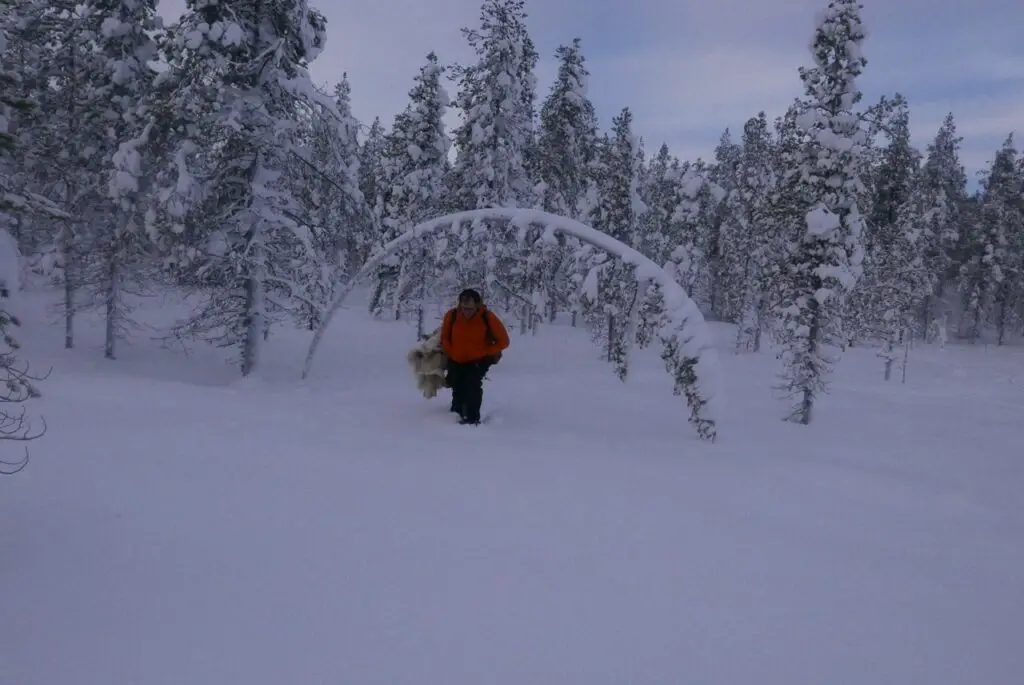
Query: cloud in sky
<point>690,68</point>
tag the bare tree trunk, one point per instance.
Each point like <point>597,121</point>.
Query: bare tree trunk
<point>255,330</point>
<point>421,296</point>
<point>758,323</point>
<point>69,289</point>
<point>631,324</point>
<point>378,292</point>
<point>1001,322</point>
<point>906,356</point>
<point>256,326</point>
<point>807,403</point>
<point>400,289</point>
<point>926,314</point>
<point>888,359</point>
<point>68,230</point>
<point>611,331</point>
<point>113,310</point>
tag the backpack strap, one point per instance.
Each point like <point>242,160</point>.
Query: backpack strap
<point>490,339</point>
<point>452,313</point>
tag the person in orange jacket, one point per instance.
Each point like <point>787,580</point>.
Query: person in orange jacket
<point>473,338</point>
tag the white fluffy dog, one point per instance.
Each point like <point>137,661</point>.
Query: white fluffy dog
<point>428,362</point>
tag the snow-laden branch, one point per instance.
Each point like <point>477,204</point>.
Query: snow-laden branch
<point>687,347</point>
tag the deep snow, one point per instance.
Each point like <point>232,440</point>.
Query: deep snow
<point>177,527</point>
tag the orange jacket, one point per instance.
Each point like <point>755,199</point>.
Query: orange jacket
<point>466,341</point>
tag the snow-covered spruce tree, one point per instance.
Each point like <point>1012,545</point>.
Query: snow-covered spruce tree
<point>722,286</point>
<point>68,148</point>
<point>19,384</point>
<point>691,231</point>
<point>370,152</point>
<point>783,218</point>
<point>565,150</point>
<point>904,278</point>
<point>24,62</point>
<point>896,282</point>
<point>971,280</point>
<point>119,256</point>
<point>826,261</point>
<point>992,277</point>
<point>889,174</point>
<point>744,235</point>
<point>942,194</point>
<point>357,235</point>
<point>241,70</point>
<point>327,189</point>
<point>496,96</point>
<point>894,179</point>
<point>568,134</point>
<point>414,166</point>
<point>370,178</point>
<point>885,301</point>
<point>314,191</point>
<point>614,312</point>
<point>589,264</point>
<point>710,205</point>
<point>619,205</point>
<point>661,193</point>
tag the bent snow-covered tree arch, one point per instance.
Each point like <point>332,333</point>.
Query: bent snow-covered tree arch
<point>687,349</point>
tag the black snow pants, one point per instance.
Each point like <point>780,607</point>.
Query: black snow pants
<point>467,384</point>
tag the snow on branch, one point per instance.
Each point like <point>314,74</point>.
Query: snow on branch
<point>687,349</point>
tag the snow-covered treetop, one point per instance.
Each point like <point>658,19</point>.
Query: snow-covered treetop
<point>827,115</point>
<point>429,102</point>
<point>567,136</point>
<point>496,97</point>
<point>572,82</point>
<point>942,168</point>
<point>348,125</point>
<point>240,30</point>
<point>415,155</point>
<point>1003,176</point>
<point>826,150</point>
<point>838,59</point>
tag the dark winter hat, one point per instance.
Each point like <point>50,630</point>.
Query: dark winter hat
<point>470,294</point>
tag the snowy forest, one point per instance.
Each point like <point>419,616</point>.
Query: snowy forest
<point>137,157</point>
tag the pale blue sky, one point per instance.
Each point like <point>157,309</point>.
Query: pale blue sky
<point>689,68</point>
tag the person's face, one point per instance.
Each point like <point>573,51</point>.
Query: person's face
<point>467,306</point>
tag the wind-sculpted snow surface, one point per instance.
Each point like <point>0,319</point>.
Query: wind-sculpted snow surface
<point>687,349</point>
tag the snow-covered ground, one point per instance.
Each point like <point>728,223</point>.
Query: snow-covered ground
<point>176,527</point>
